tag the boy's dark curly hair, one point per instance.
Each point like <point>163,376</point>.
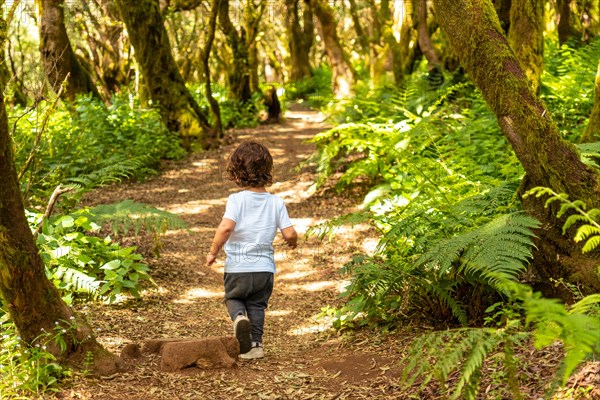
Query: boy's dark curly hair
<point>251,165</point>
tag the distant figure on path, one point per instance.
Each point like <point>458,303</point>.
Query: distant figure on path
<point>247,230</point>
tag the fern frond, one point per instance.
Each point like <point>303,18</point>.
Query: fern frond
<point>77,280</point>
<point>438,354</point>
<point>444,293</point>
<point>328,228</point>
<point>112,173</point>
<point>587,305</point>
<point>590,153</point>
<point>480,342</point>
<point>129,214</point>
<point>498,248</point>
<point>591,244</point>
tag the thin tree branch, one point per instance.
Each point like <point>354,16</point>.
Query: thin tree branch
<point>59,190</point>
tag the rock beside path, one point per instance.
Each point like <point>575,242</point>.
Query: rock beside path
<point>177,353</point>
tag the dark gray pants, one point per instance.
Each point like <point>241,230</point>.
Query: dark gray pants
<point>248,294</point>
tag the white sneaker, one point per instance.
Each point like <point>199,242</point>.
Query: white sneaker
<point>242,330</point>
<point>255,352</point>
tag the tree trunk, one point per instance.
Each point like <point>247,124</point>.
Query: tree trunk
<point>214,104</point>
<point>34,304</point>
<point>58,57</point>
<point>239,73</point>
<point>300,39</point>
<point>592,132</point>
<point>387,33</point>
<point>341,70</point>
<point>526,37</point>
<point>104,36</point>
<point>477,37</point>
<point>160,74</point>
<point>408,35</point>
<point>361,36</point>
<point>563,13</point>
<point>252,16</point>
<point>425,43</point>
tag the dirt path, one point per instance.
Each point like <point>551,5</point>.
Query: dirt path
<point>303,359</point>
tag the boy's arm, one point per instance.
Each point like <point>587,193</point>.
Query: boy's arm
<point>221,236</point>
<point>290,236</point>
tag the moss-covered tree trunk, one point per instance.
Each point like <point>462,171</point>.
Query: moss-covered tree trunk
<point>205,56</point>
<point>301,37</point>
<point>104,36</point>
<point>526,37</point>
<point>160,74</point>
<point>409,54</point>
<point>342,72</point>
<point>34,304</point>
<point>60,62</point>
<point>563,13</point>
<point>238,75</point>
<point>253,13</point>
<point>387,33</point>
<point>592,131</point>
<point>477,37</point>
<point>361,37</point>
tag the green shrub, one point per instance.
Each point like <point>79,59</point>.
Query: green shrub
<point>80,262</point>
<point>443,194</point>
<point>568,85</point>
<point>233,113</point>
<point>90,138</point>
<point>25,371</point>
<point>316,90</point>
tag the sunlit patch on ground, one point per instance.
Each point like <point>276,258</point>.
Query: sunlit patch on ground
<point>320,324</point>
<point>199,293</point>
<point>278,313</point>
<point>295,275</point>
<point>315,286</point>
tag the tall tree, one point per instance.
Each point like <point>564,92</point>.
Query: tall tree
<point>395,49</point>
<point>425,43</point>
<point>361,36</point>
<point>205,55</point>
<point>563,14</point>
<point>253,12</point>
<point>161,76</point>
<point>104,35</point>
<point>341,70</point>
<point>592,131</point>
<point>526,37</point>
<point>34,304</point>
<point>241,70</point>
<point>478,39</point>
<point>58,57</point>
<point>301,38</point>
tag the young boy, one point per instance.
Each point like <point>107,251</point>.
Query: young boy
<point>247,230</point>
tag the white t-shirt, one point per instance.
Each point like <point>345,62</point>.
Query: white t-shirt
<point>257,217</point>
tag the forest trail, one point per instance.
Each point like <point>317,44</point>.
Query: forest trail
<point>303,360</point>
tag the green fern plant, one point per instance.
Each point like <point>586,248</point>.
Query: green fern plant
<point>128,214</point>
<point>82,263</point>
<point>588,228</point>
<point>547,321</point>
<point>437,355</point>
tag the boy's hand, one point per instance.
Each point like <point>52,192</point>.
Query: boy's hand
<point>210,259</point>
<point>290,236</point>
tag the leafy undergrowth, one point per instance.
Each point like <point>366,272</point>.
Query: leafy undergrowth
<point>305,358</point>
